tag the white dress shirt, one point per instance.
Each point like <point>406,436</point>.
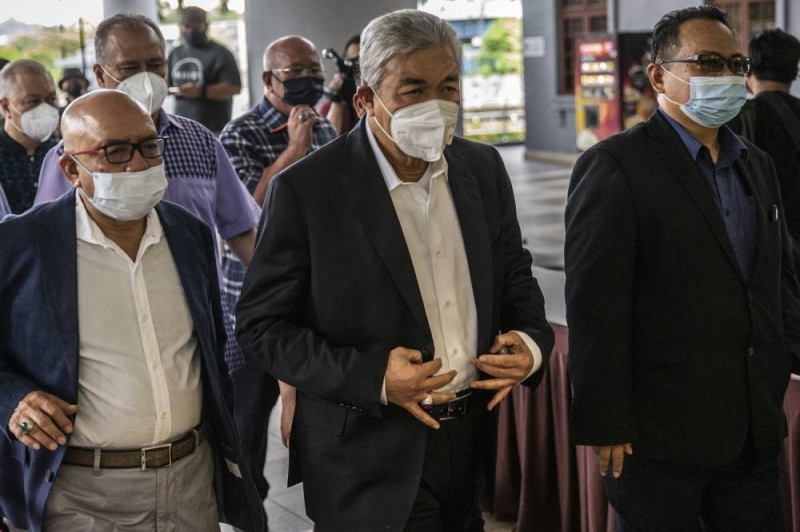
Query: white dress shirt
<point>432,233</point>
<point>139,378</point>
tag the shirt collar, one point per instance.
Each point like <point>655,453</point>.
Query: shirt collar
<point>435,168</point>
<point>271,116</point>
<point>88,231</point>
<point>731,146</point>
<point>166,120</point>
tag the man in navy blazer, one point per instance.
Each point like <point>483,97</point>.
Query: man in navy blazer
<point>111,341</point>
<point>391,288</point>
<point>681,297</point>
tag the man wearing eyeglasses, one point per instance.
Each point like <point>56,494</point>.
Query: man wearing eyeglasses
<point>683,311</point>
<point>279,131</point>
<point>114,396</point>
<point>131,57</point>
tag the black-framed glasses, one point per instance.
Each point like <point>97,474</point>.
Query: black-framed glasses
<point>739,64</point>
<point>300,71</point>
<point>122,152</point>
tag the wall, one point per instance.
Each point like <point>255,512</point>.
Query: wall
<point>326,24</point>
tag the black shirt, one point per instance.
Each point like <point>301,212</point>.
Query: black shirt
<point>19,174</point>
<point>204,66</point>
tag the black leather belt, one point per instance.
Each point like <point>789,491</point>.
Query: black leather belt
<point>145,458</point>
<point>452,410</point>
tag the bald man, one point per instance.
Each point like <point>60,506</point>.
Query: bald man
<point>279,131</point>
<point>111,339</point>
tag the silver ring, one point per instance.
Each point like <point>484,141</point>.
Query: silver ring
<point>303,116</point>
<point>428,401</point>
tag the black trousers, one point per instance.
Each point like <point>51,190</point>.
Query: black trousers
<point>658,496</point>
<point>447,500</point>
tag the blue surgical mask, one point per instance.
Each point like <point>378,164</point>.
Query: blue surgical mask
<point>713,100</point>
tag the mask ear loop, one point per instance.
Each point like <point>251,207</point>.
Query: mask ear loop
<point>375,93</point>
<point>665,69</point>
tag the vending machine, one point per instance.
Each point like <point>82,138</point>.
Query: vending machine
<point>612,89</point>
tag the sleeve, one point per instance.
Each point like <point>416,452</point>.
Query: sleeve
<point>4,207</point>
<point>245,155</point>
<point>236,211</point>
<point>228,71</point>
<point>272,323</point>
<point>600,260</point>
<point>523,303</point>
<point>52,181</point>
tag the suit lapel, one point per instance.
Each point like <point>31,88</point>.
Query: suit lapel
<point>675,157</point>
<point>368,197</point>
<point>472,219</point>
<point>186,253</point>
<point>57,247</point>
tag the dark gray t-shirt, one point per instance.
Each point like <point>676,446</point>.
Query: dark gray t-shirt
<point>204,66</point>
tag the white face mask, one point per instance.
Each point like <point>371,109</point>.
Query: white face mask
<point>422,130</point>
<point>127,196</point>
<point>38,123</point>
<point>147,88</point>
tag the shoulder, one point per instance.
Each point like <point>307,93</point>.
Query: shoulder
<point>242,124</point>
<point>172,214</point>
<point>22,228</point>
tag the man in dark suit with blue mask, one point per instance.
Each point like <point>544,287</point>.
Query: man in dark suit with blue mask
<point>681,298</point>
<point>114,395</point>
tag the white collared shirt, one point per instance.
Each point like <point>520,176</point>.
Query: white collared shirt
<point>432,233</point>
<point>139,378</point>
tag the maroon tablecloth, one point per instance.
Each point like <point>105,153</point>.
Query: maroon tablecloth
<point>546,484</point>
<point>542,481</point>
<point>790,459</point>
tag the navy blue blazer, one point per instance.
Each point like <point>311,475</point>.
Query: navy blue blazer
<point>332,290</point>
<point>39,349</point>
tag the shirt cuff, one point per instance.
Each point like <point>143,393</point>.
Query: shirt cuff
<point>535,352</point>
<point>384,400</point>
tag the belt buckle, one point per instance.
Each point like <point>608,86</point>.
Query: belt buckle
<point>167,446</point>
<point>452,408</point>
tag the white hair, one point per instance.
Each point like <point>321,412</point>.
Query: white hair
<point>401,32</point>
<point>9,73</point>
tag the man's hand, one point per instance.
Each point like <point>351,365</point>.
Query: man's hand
<point>47,416</point>
<point>510,361</point>
<point>409,381</point>
<point>288,404</point>
<point>302,120</point>
<point>189,90</point>
<point>617,453</point>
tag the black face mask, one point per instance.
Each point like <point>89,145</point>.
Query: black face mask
<point>303,91</point>
<point>195,39</point>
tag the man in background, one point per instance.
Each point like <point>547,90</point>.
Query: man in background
<point>771,120</point>
<point>279,131</point>
<point>339,107</point>
<point>30,105</point>
<point>73,84</point>
<point>203,73</point>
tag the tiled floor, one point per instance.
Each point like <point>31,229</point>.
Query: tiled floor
<point>540,190</point>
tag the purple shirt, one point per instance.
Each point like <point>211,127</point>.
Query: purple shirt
<point>4,208</point>
<point>200,176</point>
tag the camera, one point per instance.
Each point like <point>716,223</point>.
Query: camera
<point>348,67</point>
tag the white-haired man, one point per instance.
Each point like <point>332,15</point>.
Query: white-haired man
<point>375,252</point>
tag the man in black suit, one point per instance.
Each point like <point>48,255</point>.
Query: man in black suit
<point>681,298</point>
<point>391,288</point>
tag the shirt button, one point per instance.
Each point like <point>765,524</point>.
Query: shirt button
<point>163,415</point>
<point>439,253</point>
<point>727,212</point>
<point>448,304</point>
<point>751,351</point>
<point>455,351</point>
<point>749,296</point>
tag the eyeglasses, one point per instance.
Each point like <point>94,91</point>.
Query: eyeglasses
<point>299,71</point>
<point>122,152</point>
<point>739,64</point>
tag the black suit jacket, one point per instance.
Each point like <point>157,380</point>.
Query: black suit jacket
<point>331,290</point>
<point>669,347</point>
